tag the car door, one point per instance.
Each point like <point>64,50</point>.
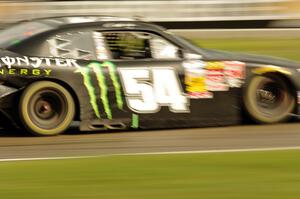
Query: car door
<point>168,86</point>
<point>150,74</point>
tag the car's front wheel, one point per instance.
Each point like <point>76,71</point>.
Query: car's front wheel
<point>269,99</point>
<point>46,108</point>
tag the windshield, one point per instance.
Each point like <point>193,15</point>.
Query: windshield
<point>17,33</point>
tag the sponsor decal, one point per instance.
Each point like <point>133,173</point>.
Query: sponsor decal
<point>102,85</point>
<point>196,85</point>
<point>36,62</point>
<point>135,121</point>
<point>215,77</point>
<point>204,94</point>
<point>97,69</point>
<point>214,65</point>
<point>203,78</point>
<point>32,66</point>
<point>25,72</point>
<point>195,79</point>
<point>85,72</point>
<point>115,80</point>
<point>235,73</point>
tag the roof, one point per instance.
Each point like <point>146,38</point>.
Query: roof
<point>107,21</point>
<point>66,21</point>
<point>29,28</point>
<point>81,19</point>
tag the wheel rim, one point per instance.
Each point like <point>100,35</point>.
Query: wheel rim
<point>47,108</point>
<point>271,97</point>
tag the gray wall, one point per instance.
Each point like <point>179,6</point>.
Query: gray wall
<point>160,11</point>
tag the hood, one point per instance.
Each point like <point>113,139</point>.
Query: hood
<point>249,58</point>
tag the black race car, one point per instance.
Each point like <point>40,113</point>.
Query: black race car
<point>119,73</point>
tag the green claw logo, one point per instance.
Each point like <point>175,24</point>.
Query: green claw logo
<point>97,68</point>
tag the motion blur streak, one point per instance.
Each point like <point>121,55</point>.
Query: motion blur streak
<point>202,10</point>
<point>157,153</point>
<point>204,139</point>
<point>255,33</point>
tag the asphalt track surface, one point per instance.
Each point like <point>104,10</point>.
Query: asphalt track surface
<point>75,143</point>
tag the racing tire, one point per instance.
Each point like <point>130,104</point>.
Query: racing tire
<point>269,99</point>
<point>46,108</point>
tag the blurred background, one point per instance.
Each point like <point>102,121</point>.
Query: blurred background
<point>257,26</point>
<point>270,27</point>
<point>224,13</point>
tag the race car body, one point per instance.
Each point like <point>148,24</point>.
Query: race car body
<point>118,73</point>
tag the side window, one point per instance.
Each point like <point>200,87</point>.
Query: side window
<point>128,45</point>
<point>76,45</point>
<point>134,45</point>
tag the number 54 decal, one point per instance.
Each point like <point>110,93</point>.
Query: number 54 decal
<point>148,89</point>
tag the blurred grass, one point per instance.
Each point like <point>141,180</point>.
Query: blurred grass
<point>279,47</point>
<point>247,175</point>
<point>265,175</point>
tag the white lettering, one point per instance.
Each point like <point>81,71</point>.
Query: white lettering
<point>60,62</point>
<point>8,61</point>
<point>37,61</point>
<point>72,63</point>
<point>48,61</point>
<point>24,60</point>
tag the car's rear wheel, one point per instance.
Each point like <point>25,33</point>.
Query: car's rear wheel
<point>269,99</point>
<point>46,108</point>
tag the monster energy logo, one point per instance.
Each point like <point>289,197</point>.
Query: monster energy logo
<point>97,68</point>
